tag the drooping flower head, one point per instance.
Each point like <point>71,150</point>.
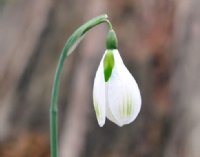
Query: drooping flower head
<point>115,93</point>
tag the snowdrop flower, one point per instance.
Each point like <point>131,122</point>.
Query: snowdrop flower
<point>116,95</point>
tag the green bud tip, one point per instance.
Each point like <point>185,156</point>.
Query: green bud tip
<point>111,40</point>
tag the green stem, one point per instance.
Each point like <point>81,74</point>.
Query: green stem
<point>109,24</point>
<point>70,45</point>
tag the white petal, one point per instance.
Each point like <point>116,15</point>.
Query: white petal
<point>109,114</point>
<point>99,95</point>
<point>124,100</point>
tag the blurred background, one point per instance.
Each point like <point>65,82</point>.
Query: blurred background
<point>159,43</point>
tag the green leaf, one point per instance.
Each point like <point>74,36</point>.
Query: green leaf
<point>108,64</point>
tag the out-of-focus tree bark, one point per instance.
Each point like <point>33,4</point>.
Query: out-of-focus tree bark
<point>144,32</point>
<point>148,62</point>
<point>76,124</point>
<point>185,136</point>
<point>32,36</point>
<point>21,27</point>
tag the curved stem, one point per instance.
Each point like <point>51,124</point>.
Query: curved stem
<point>70,45</point>
<point>109,24</point>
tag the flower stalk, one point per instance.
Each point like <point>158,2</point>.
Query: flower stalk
<point>70,45</point>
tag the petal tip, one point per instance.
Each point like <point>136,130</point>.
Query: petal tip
<point>101,124</point>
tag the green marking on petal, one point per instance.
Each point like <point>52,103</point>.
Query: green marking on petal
<point>97,109</point>
<point>129,108</point>
<point>126,109</point>
<point>108,64</point>
<point>123,108</point>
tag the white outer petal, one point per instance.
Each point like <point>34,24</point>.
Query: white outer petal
<point>109,113</point>
<point>99,95</point>
<point>122,88</point>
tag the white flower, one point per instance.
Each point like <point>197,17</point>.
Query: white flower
<point>115,96</point>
